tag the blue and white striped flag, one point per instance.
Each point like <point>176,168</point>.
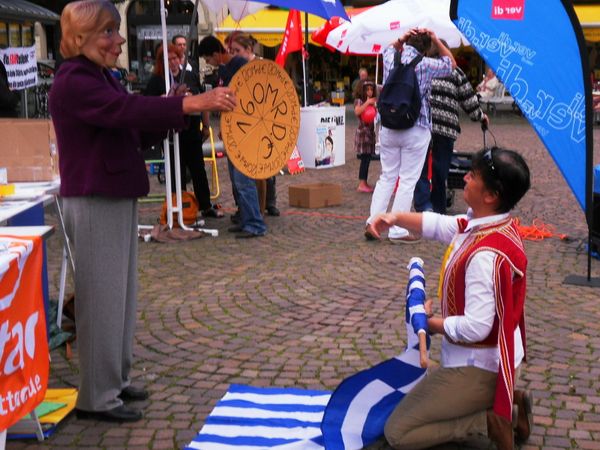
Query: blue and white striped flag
<point>253,418</point>
<point>359,407</point>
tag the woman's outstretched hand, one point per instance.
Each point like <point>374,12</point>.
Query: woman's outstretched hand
<point>381,223</point>
<point>218,99</point>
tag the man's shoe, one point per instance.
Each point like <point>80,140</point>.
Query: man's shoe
<point>134,394</point>
<point>500,431</point>
<point>213,212</point>
<point>247,235</point>
<point>235,229</point>
<point>273,211</point>
<point>408,239</point>
<point>121,413</point>
<point>524,401</point>
<point>236,217</point>
<point>369,233</point>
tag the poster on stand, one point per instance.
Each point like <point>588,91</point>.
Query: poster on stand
<point>322,139</point>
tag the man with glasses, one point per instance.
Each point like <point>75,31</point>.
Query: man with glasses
<point>482,293</point>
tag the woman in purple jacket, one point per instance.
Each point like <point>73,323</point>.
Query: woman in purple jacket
<point>101,131</point>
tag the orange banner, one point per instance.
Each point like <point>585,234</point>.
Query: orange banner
<point>24,357</point>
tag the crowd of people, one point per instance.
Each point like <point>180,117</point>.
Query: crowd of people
<point>102,129</point>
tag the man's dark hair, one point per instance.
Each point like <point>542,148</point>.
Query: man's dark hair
<point>505,172</point>
<point>210,45</point>
<point>177,36</point>
<point>421,41</point>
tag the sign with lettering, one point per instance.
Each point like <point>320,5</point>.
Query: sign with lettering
<point>508,9</point>
<point>261,132</point>
<point>550,92</point>
<point>24,359</point>
<point>154,32</point>
<point>21,67</point>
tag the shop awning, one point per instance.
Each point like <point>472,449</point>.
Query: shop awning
<point>266,26</point>
<point>22,10</point>
<point>589,18</point>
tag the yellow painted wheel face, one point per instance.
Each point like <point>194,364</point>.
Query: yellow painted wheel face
<point>261,132</point>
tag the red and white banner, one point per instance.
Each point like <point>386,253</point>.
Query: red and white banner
<point>24,357</point>
<point>21,67</point>
<point>292,37</point>
<point>295,163</point>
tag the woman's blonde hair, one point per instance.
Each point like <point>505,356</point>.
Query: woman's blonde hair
<point>80,20</point>
<point>246,40</point>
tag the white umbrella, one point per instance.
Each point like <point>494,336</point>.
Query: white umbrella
<point>237,8</point>
<point>370,32</point>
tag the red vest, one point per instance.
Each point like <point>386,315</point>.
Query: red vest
<point>510,266</point>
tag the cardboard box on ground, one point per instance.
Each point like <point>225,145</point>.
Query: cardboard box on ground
<point>316,195</point>
<point>28,149</point>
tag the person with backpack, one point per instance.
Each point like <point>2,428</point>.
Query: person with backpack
<point>405,134</point>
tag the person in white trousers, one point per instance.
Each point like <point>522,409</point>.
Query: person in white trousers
<point>403,152</point>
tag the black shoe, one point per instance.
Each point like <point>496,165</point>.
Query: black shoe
<point>212,212</point>
<point>236,217</point>
<point>133,394</point>
<point>273,211</point>
<point>370,234</point>
<point>247,235</point>
<point>235,229</point>
<point>121,413</point>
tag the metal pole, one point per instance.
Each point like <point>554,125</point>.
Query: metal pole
<point>166,144</point>
<point>304,80</point>
<point>188,41</point>
<point>25,103</point>
<point>305,60</point>
<point>169,198</point>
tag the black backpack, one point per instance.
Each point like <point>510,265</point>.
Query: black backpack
<point>400,101</point>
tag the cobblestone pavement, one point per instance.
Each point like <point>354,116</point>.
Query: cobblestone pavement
<point>313,302</point>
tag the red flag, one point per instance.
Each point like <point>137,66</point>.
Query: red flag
<point>292,38</point>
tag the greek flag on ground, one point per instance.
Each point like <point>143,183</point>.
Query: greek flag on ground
<point>255,418</point>
<point>252,418</point>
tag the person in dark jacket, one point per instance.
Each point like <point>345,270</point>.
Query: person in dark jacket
<point>101,131</point>
<point>190,138</point>
<point>251,223</point>
<point>9,100</point>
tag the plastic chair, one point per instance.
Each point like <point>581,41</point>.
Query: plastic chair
<point>500,97</point>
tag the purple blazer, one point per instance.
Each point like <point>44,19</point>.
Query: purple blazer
<point>101,131</point>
